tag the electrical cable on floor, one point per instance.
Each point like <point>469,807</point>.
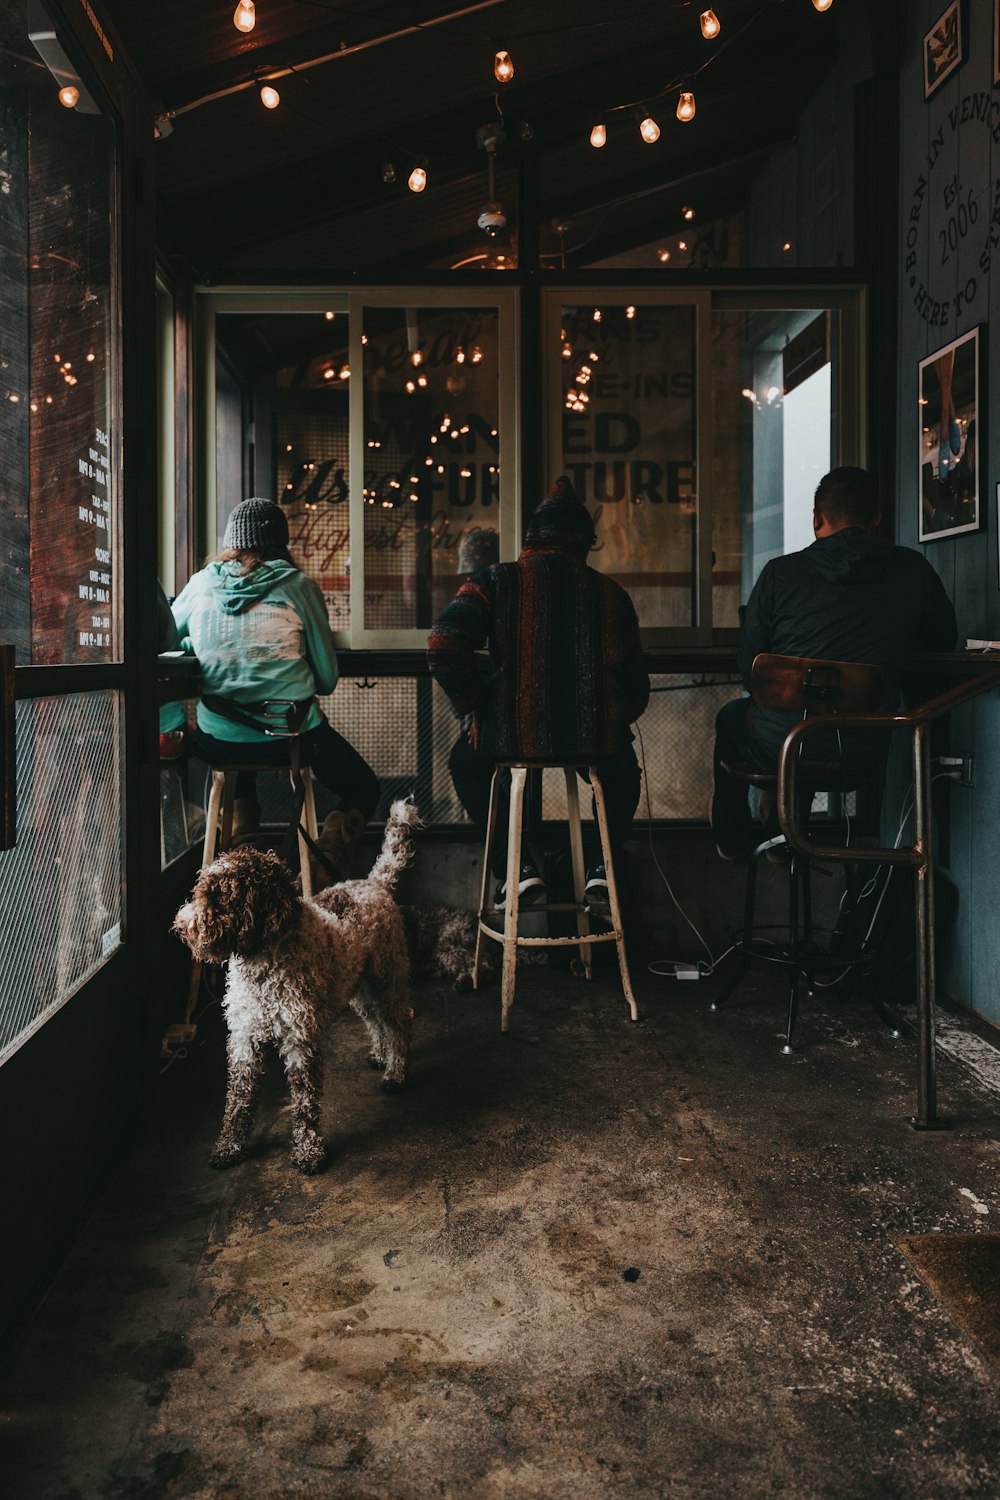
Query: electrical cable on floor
<point>655,966</point>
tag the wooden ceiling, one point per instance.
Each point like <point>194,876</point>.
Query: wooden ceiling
<point>299,189</point>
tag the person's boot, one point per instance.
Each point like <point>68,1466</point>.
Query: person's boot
<point>246,821</point>
<point>337,838</point>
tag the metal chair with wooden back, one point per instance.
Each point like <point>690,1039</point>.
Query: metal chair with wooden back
<point>811,688</point>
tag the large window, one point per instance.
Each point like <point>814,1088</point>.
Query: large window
<point>61,897</point>
<point>59,435</point>
<point>384,425</point>
<point>624,384</point>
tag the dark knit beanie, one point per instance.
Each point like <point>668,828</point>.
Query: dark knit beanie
<point>256,526</point>
<point>561,521</point>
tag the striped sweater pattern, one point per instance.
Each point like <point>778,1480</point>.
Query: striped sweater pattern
<point>567,674</point>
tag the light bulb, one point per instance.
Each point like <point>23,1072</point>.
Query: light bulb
<point>663,256</point>
<point>416,358</point>
<point>649,130</point>
<point>630,312</point>
<point>244,16</point>
<point>69,96</point>
<point>710,25</point>
<point>503,68</point>
<point>685,107</point>
<point>345,372</point>
<point>329,316</point>
<point>688,213</point>
<point>682,244</point>
<point>417,180</point>
<point>599,134</point>
<point>822,4</point>
<point>269,97</point>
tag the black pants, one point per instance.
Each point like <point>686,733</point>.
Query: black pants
<point>335,763</point>
<point>731,820</point>
<point>472,774</point>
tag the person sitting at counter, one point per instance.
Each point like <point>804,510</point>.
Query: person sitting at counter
<point>567,678</point>
<point>258,626</point>
<point>850,596</point>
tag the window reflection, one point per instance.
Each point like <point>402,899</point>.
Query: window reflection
<point>58,415</point>
<point>628,446</point>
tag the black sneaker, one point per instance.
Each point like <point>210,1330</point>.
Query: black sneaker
<point>595,893</point>
<point>530,888</point>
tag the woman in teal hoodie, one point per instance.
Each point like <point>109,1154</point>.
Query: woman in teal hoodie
<point>259,628</point>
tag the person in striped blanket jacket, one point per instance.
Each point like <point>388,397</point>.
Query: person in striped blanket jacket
<point>566,676</point>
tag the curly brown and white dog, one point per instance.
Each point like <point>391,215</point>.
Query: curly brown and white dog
<point>292,964</point>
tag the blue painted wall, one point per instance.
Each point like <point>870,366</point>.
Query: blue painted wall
<point>955,134</point>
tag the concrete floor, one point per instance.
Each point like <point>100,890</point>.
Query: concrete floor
<point>446,1311</point>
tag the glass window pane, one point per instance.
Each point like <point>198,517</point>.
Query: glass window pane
<point>282,432</point>
<point>61,887</point>
<point>628,446</point>
<point>775,434</point>
<point>432,467</point>
<point>59,437</point>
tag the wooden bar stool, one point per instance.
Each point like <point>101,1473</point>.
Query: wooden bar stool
<point>219,834</point>
<point>510,938</point>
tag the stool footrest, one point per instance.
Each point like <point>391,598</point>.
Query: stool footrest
<point>553,942</point>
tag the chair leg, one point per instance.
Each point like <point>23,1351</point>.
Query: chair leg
<point>308,817</point>
<point>518,776</point>
<point>212,817</point>
<point>579,874</point>
<point>228,809</point>
<point>484,885</point>
<point>616,915</point>
<point>793,944</point>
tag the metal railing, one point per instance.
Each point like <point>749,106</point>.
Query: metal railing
<point>917,855</point>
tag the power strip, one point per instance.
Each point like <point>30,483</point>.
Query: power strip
<point>682,971</point>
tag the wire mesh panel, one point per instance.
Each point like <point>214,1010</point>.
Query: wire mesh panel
<point>674,743</point>
<point>404,728</point>
<point>61,887</point>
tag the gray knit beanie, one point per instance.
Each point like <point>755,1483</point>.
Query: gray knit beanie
<point>256,526</point>
<point>561,521</point>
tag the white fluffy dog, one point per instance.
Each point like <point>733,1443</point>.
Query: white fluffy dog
<point>291,965</point>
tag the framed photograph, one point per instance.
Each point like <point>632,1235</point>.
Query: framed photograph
<point>950,439</point>
<point>943,48</point>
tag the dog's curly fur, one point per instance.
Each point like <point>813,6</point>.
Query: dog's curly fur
<point>440,940</point>
<point>292,963</point>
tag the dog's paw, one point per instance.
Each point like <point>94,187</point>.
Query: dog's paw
<point>392,1085</point>
<point>225,1156</point>
<point>309,1160</point>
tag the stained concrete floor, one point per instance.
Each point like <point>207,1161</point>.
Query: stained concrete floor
<point>446,1311</point>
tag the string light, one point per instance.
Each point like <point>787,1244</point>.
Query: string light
<point>417,180</point>
<point>663,256</point>
<point>687,213</point>
<point>682,244</point>
<point>710,24</point>
<point>787,246</point>
<point>686,107</point>
<point>345,372</point>
<point>244,16</point>
<point>649,130</point>
<point>503,68</point>
<point>599,135</point>
<point>822,5</point>
<point>630,312</point>
<point>597,315</point>
<point>329,316</point>
<point>269,96</point>
<point>69,96</point>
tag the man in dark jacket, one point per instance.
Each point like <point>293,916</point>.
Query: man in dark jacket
<point>851,596</point>
<point>567,677</point>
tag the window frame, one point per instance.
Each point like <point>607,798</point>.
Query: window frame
<point>211,301</point>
